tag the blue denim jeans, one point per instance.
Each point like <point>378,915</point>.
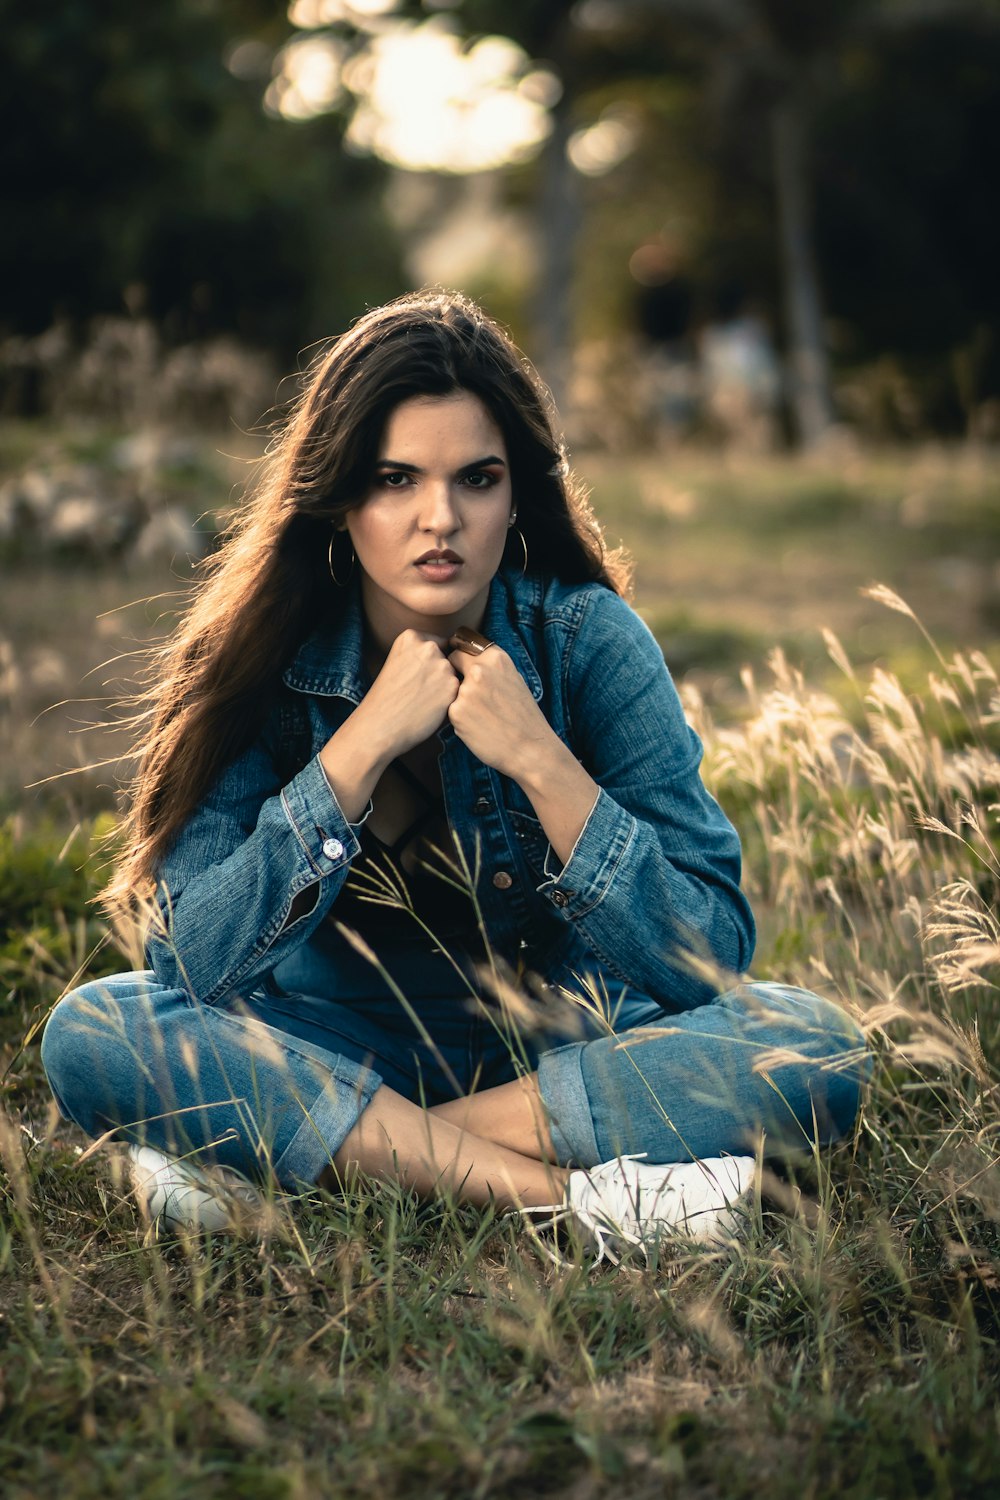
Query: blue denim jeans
<point>273,1083</point>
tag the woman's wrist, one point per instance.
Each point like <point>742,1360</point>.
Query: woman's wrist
<point>353,761</point>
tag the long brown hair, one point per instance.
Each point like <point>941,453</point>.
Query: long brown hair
<point>268,585</point>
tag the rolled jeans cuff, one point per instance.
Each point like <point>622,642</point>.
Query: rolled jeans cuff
<point>326,1123</point>
<point>571,1125</point>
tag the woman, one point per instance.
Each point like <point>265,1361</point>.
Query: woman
<point>409,748</point>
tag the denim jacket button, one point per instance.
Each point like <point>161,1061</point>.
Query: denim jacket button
<point>560,898</point>
<point>332,848</point>
<point>502,880</point>
<point>482,805</point>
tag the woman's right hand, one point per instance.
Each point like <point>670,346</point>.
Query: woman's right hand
<point>407,703</point>
<point>410,698</point>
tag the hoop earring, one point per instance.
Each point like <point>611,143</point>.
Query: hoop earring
<point>524,547</point>
<point>340,582</point>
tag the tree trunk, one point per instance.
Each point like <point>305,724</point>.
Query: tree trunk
<point>808,365</point>
<point>557,219</point>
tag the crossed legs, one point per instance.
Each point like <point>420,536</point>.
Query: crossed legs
<point>762,1060</point>
<point>493,1146</point>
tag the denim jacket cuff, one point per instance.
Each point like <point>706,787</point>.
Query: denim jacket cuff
<point>326,837</point>
<point>583,881</point>
<point>359,823</point>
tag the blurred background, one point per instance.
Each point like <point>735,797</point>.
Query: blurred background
<point>753,246</point>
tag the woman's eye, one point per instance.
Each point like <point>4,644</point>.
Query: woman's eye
<point>480,479</point>
<point>394,481</point>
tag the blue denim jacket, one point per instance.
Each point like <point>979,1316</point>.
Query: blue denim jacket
<point>654,874</point>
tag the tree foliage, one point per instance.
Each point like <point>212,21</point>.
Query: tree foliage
<point>137,165</point>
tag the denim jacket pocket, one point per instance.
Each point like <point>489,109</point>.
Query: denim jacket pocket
<point>531,841</point>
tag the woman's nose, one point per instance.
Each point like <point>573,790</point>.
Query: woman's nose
<point>438,514</point>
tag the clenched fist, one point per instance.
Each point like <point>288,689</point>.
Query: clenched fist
<point>495,714</point>
<point>410,698</point>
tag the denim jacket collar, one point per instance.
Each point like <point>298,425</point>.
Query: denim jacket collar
<point>330,661</point>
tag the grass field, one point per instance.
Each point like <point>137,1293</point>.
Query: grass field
<point>846,1345</point>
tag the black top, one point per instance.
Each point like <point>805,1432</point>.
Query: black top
<point>412,890</point>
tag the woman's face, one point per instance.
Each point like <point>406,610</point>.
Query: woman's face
<point>431,531</point>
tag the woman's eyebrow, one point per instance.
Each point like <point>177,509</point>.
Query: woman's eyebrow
<point>492,460</point>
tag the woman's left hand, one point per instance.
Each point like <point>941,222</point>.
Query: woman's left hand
<point>498,719</point>
<point>495,714</point>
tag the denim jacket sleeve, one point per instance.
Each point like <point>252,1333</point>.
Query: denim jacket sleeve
<point>655,872</point>
<point>226,888</point>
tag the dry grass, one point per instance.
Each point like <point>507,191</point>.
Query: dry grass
<point>847,1346</point>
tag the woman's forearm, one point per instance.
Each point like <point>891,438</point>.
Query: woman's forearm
<point>562,793</point>
<point>406,704</point>
<point>353,760</point>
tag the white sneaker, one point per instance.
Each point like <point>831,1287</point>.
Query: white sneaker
<point>628,1203</point>
<point>181,1195</point>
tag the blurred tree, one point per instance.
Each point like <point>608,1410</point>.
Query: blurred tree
<point>778,64</point>
<point>778,81</point>
<point>857,137</point>
<point>548,34</point>
<point>139,167</point>
<point>907,224</point>
<point>545,31</point>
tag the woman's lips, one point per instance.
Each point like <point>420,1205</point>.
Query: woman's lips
<point>438,567</point>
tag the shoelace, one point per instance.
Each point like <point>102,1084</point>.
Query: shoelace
<point>235,1184</point>
<point>604,1231</point>
<point>222,1186</point>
